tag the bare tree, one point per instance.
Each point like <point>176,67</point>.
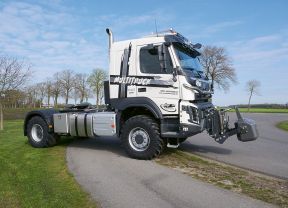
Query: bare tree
<point>89,93</point>
<point>252,87</point>
<point>14,98</point>
<point>81,85</point>
<point>13,75</point>
<point>41,91</point>
<point>67,81</point>
<point>48,91</point>
<point>75,95</point>
<point>218,66</point>
<point>95,81</point>
<point>56,88</point>
<point>32,95</point>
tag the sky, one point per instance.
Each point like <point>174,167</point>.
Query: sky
<point>54,35</point>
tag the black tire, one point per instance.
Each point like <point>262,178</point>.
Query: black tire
<point>139,126</point>
<point>37,132</point>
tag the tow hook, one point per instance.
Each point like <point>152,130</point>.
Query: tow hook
<point>218,127</point>
<point>246,128</point>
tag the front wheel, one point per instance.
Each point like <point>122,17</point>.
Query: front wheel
<point>38,135</point>
<point>141,138</point>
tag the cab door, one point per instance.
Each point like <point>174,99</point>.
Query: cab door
<point>158,80</point>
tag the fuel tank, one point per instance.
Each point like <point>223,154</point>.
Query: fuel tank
<point>82,124</point>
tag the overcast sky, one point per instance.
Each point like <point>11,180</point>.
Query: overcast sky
<point>55,35</point>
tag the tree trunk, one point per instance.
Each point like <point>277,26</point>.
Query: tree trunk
<point>97,98</point>
<point>48,100</point>
<point>249,100</point>
<point>55,101</point>
<point>67,97</point>
<point>1,117</point>
<point>82,98</point>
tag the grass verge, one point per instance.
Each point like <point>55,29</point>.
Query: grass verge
<point>262,110</point>
<point>268,189</point>
<point>283,125</point>
<point>32,177</point>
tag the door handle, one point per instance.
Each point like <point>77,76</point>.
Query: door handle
<point>142,89</point>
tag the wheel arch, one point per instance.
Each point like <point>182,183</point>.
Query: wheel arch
<point>46,115</point>
<point>129,107</point>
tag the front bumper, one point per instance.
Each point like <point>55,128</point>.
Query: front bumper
<point>217,126</point>
<point>195,119</point>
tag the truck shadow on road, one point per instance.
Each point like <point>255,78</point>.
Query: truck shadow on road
<point>192,148</point>
<point>113,144</point>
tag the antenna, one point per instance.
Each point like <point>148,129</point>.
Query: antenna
<point>156,27</point>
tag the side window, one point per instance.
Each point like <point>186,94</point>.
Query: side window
<point>150,63</point>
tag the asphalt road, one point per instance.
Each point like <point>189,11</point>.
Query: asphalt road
<point>102,168</point>
<point>114,180</point>
<point>268,154</point>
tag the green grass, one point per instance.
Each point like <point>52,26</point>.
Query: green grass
<point>283,125</point>
<point>262,110</point>
<point>36,177</point>
<point>268,189</point>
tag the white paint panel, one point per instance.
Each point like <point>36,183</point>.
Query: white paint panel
<point>185,94</point>
<point>114,91</point>
<point>131,91</point>
<point>162,101</point>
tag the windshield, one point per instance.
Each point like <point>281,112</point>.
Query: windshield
<point>189,60</point>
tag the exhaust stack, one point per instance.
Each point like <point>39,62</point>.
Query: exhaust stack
<point>110,34</point>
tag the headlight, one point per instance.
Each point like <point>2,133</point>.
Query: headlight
<point>198,83</point>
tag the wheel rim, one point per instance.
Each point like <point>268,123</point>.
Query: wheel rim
<point>37,132</point>
<point>139,139</point>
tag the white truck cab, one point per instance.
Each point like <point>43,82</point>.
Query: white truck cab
<point>157,95</point>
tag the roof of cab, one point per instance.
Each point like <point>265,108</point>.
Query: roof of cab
<point>159,37</point>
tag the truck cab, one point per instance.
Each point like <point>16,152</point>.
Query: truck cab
<point>157,95</point>
<point>161,73</point>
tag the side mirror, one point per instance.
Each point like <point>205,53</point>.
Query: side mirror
<point>197,46</point>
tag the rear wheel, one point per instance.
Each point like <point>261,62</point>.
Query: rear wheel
<point>141,138</point>
<point>37,132</point>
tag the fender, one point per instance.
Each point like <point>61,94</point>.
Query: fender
<point>120,104</point>
<point>123,103</point>
<point>46,114</point>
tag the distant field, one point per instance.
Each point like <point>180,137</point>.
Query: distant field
<point>15,113</point>
<point>262,110</point>
<point>283,125</point>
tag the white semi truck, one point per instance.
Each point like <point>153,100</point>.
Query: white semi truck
<point>157,95</point>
